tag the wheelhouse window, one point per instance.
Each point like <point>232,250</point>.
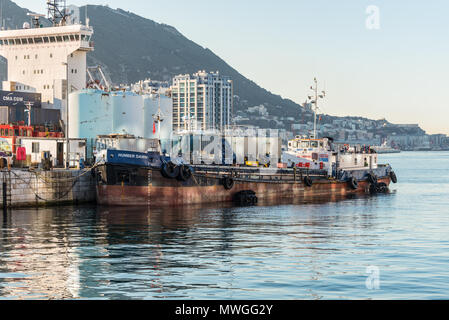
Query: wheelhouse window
<point>305,144</point>
<point>38,40</point>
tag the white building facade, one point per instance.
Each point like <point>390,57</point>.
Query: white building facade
<point>203,101</point>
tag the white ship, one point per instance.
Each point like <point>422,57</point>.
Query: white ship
<point>385,148</point>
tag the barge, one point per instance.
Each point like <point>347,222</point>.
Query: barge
<point>126,178</point>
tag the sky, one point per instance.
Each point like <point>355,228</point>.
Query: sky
<point>375,58</point>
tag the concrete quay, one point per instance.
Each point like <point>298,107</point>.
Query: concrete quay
<point>24,188</point>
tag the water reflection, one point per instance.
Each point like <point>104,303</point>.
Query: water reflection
<point>313,250</point>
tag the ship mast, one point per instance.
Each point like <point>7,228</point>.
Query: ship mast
<point>315,103</point>
<point>57,12</point>
<point>158,118</point>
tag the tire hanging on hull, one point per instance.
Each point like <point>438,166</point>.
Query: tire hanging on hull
<point>169,170</point>
<point>228,183</point>
<point>308,181</point>
<point>353,183</point>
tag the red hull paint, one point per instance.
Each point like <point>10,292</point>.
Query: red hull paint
<point>180,195</point>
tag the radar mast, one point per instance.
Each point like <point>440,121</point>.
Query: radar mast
<point>57,12</point>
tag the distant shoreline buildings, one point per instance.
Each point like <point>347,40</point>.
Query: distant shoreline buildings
<point>50,63</point>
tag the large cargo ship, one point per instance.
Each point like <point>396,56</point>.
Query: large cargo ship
<point>149,179</point>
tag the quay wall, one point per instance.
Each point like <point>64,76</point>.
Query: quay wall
<point>24,188</point>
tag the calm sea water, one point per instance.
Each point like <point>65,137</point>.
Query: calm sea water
<point>393,246</point>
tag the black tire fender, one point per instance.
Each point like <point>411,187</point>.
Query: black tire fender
<point>393,177</point>
<point>228,183</point>
<point>354,183</point>
<point>170,170</point>
<point>308,181</point>
<point>372,178</point>
<point>185,173</point>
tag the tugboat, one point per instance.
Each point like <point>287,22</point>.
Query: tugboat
<point>385,149</point>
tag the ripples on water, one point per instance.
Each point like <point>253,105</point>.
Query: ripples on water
<point>303,251</point>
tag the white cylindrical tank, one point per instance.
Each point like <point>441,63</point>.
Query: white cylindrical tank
<point>151,108</point>
<point>127,113</point>
<point>90,114</point>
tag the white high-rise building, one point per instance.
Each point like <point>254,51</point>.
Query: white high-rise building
<point>203,101</point>
<point>44,59</point>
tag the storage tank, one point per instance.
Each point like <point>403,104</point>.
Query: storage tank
<point>91,114</point>
<point>151,107</point>
<point>127,114</point>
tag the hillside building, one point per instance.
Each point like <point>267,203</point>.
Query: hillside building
<point>203,101</point>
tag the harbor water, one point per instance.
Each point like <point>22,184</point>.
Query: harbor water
<point>393,246</point>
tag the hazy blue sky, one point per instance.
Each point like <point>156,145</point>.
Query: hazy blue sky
<point>398,71</point>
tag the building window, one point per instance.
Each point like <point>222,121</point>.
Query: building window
<point>35,147</point>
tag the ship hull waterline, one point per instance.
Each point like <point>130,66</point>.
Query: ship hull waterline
<point>172,193</point>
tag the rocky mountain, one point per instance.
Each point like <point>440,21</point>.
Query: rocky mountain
<point>131,48</point>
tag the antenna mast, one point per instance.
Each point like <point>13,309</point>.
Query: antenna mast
<point>316,97</point>
<point>57,12</point>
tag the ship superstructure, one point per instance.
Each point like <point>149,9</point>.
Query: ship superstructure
<point>47,60</point>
